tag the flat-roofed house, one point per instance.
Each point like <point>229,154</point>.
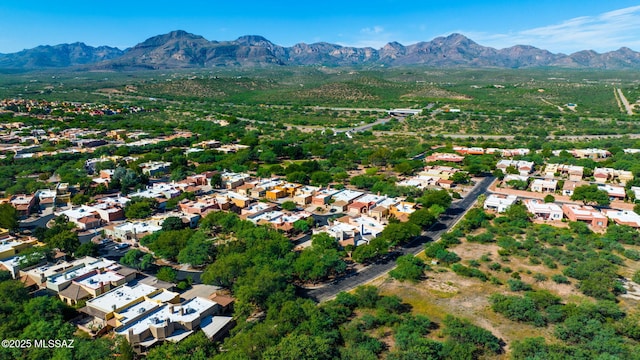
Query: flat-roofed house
<point>402,210</point>
<point>24,204</point>
<point>523,167</point>
<point>89,217</point>
<point>569,186</point>
<point>446,157</point>
<point>499,203</point>
<point>542,210</point>
<point>233,180</point>
<point>305,194</point>
<point>154,323</point>
<point>323,197</point>
<point>586,214</point>
<point>603,175</point>
<point>544,185</point>
<point>239,200</point>
<point>614,192</point>
<point>623,217</point>
<point>275,194</point>
<point>573,172</point>
<point>112,308</point>
<point>357,207</point>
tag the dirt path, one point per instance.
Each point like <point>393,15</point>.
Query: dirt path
<point>627,106</point>
<point>552,104</point>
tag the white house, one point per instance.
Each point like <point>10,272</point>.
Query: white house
<point>546,211</point>
<point>499,203</point>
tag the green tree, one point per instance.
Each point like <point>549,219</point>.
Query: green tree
<point>408,267</point>
<point>299,177</point>
<point>86,249</point>
<point>364,253</point>
<point>199,251</point>
<point>226,270</point>
<point>173,223</point>
<point>79,199</point>
<point>460,178</point>
<point>124,348</point>
<point>422,218</point>
<point>534,348</point>
<point>549,198</point>
<point>439,197</point>
<point>518,184</point>
<point>518,215</point>
<point>436,209</point>
<point>323,241</point>
<point>462,331</point>
<point>168,244</point>
<point>301,226</point>
<point>400,233</point>
<point>288,205</point>
<point>321,178</point>
<point>268,156</point>
<point>8,217</point>
<point>439,251</point>
<point>315,264</point>
<point>590,194</point>
<point>137,259</point>
<point>140,208</point>
<point>512,170</point>
<point>166,273</point>
<point>301,347</point>
<point>65,240</point>
<point>194,347</point>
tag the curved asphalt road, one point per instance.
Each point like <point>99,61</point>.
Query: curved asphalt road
<point>373,271</point>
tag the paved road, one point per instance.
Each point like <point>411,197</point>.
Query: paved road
<point>36,222</point>
<point>109,250</point>
<point>366,127</point>
<point>348,109</point>
<point>373,271</point>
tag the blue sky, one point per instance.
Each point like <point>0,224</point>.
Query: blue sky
<point>557,25</point>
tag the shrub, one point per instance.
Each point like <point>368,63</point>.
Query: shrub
<point>560,279</point>
<point>469,272</point>
<point>518,285</point>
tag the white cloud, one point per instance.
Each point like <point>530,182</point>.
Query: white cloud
<point>374,37</point>
<point>604,32</point>
<point>372,30</point>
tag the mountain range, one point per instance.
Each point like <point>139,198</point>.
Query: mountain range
<point>182,50</point>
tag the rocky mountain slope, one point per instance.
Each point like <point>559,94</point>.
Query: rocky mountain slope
<point>180,49</point>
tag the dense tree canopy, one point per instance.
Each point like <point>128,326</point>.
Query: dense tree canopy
<point>140,208</point>
<point>409,268</point>
<point>8,217</point>
<point>590,194</point>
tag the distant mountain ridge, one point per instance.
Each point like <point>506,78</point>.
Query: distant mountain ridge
<point>180,49</point>
<point>58,56</point>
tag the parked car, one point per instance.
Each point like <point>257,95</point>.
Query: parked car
<point>122,246</point>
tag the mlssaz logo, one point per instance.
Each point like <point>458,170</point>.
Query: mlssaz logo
<point>53,343</point>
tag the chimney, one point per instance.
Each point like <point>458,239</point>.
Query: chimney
<point>181,310</point>
<point>101,287</point>
<point>130,335</point>
<point>171,309</point>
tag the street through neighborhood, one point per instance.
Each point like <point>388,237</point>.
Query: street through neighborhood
<point>447,220</point>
